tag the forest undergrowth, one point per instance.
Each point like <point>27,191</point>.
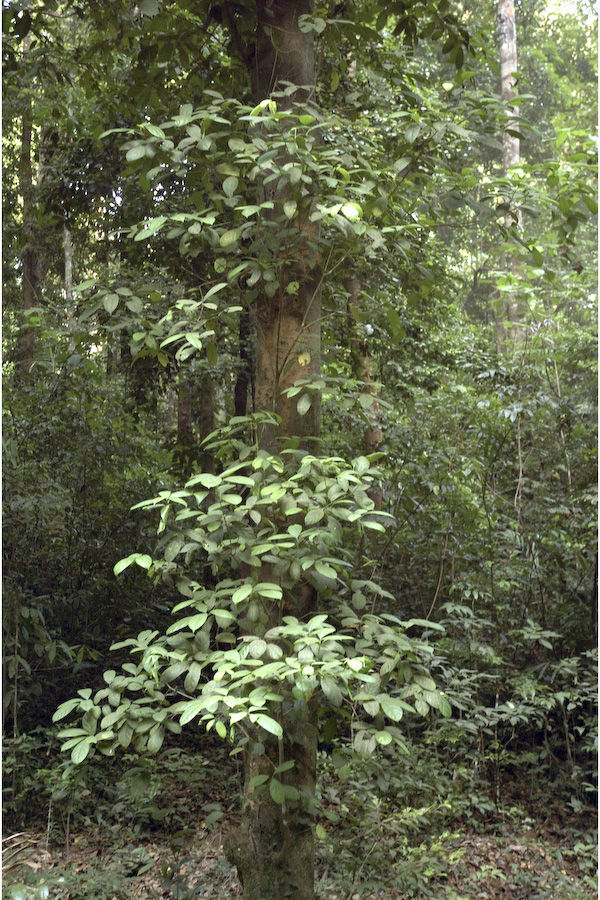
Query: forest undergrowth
<point>152,828</point>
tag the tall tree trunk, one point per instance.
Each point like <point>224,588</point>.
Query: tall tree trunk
<point>512,307</point>
<point>184,415</point>
<point>68,282</point>
<point>68,261</point>
<point>507,35</point>
<point>244,376</point>
<point>362,368</point>
<point>273,848</point>
<point>28,254</point>
<point>195,405</point>
<point>206,418</point>
<point>288,324</point>
<point>362,371</point>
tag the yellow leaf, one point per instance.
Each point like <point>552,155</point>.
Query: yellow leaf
<point>304,358</point>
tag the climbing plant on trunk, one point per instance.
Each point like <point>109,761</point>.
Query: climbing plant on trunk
<point>273,847</point>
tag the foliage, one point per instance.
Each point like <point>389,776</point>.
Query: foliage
<point>457,624</point>
<point>352,657</point>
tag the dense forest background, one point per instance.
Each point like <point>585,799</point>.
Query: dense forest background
<point>419,490</point>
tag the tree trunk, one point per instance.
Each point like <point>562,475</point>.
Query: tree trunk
<point>273,848</point>
<point>244,376</point>
<point>507,34</point>
<point>195,406</point>
<point>68,281</point>
<point>206,418</point>
<point>68,260</point>
<point>184,414</point>
<point>512,307</point>
<point>288,324</point>
<point>362,371</point>
<point>28,253</point>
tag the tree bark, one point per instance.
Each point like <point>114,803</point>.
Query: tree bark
<point>28,254</point>
<point>507,34</point>
<point>288,324</point>
<point>68,281</point>
<point>362,371</point>
<point>244,377</point>
<point>273,848</point>
<point>206,418</point>
<point>184,414</point>
<point>512,308</point>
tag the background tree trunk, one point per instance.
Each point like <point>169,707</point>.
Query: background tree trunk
<point>511,308</point>
<point>244,377</point>
<point>362,368</point>
<point>28,253</point>
<point>507,35</point>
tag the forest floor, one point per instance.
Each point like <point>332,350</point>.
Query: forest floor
<point>537,863</point>
<point>155,838</point>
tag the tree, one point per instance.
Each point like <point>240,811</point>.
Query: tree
<point>280,552</point>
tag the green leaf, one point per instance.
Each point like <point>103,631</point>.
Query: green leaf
<point>110,303</point>
<point>228,238</point>
<point>325,570</point>
<point>268,724</point>
<point>151,227</point>
<point>65,708</point>
<point>148,8</point>
<point>391,708</point>
<point>206,479</point>
<point>221,729</point>
<point>289,208</point>
<point>276,791</point>
<point>304,404</point>
<point>269,590</point>
<point>215,289</point>
<point>80,751</point>
<point>154,130</point>
<point>314,515</point>
<point>155,739</point>
<point>229,186</point>
<point>361,465</point>
<point>241,593</point>
<point>134,153</point>
<point>135,305</point>
<point>258,780</point>
<point>400,164</point>
<point>395,324</point>
<point>421,707</point>
<point>291,793</point>
<point>444,707</point>
<point>425,682</point>
<point>257,648</point>
<point>141,559</point>
<point>191,710</point>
